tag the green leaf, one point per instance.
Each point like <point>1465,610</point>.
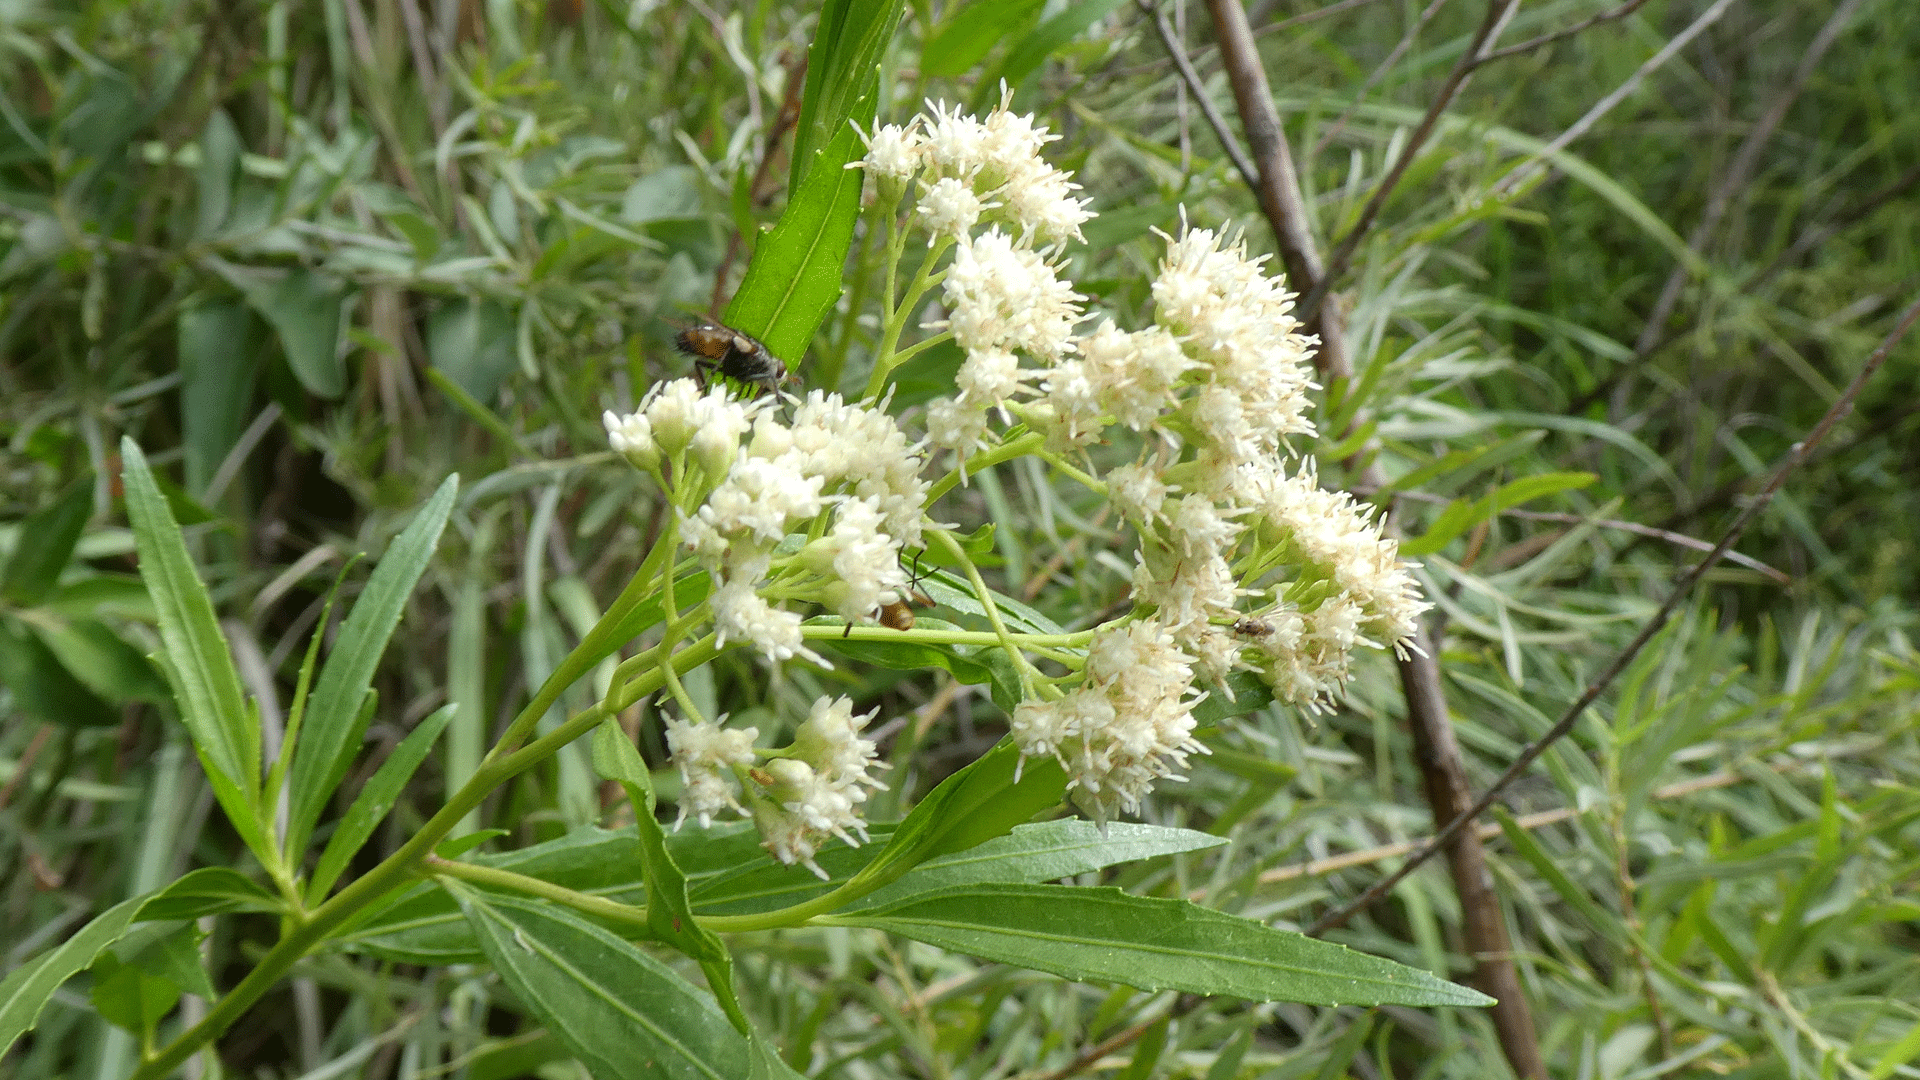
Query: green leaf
<point>959,661</point>
<point>42,686</point>
<point>472,341</point>
<point>27,989</point>
<point>169,950</point>
<point>976,804</point>
<point>219,345</point>
<point>1048,38</point>
<point>130,997</point>
<point>335,721</point>
<point>1460,516</point>
<point>46,544</point>
<point>950,590</point>
<point>303,307</point>
<point>1045,851</point>
<point>974,28</point>
<point>669,912</point>
<point>1152,944</point>
<point>1250,694</point>
<point>101,660</point>
<point>376,797</point>
<point>210,890</point>
<point>219,161</point>
<point>798,269</point>
<point>625,1014</point>
<point>842,68</point>
<point>198,666</point>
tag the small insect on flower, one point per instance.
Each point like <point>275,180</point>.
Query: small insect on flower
<point>899,614</point>
<point>733,354</point>
<point>1252,627</point>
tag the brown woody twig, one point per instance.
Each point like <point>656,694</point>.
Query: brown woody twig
<point>1498,12</point>
<point>1795,457</point>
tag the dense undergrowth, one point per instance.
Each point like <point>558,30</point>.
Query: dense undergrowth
<point>314,258</point>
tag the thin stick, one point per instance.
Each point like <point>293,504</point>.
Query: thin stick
<point>1241,163</point>
<point>1795,457</point>
<point>1442,769</point>
<point>1498,13</point>
<point>1525,174</point>
<point>1543,40</point>
<point>1278,185</point>
<point>1740,171</point>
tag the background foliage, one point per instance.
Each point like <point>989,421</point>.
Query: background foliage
<point>314,257</point>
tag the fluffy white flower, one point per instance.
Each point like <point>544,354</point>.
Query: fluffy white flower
<point>787,837</point>
<point>955,143</point>
<point>829,740</point>
<point>949,207</point>
<point>960,426</point>
<point>681,414</point>
<point>1135,376</point>
<point>706,754</point>
<point>893,152</point>
<point>989,377</point>
<point>1195,592</point>
<point>863,559</point>
<point>632,435</point>
<point>1138,491</point>
<point>1004,296</point>
<point>1129,725</point>
<point>761,498</point>
<point>742,614</point>
<point>1076,415</point>
<point>1042,203</point>
<point>1342,537</point>
<point>1200,529</point>
<point>864,451</point>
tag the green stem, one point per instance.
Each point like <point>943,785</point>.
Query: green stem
<point>1091,483</point>
<point>585,903</point>
<point>635,916</point>
<point>591,650</point>
<point>986,459</point>
<point>885,359</point>
<point>1021,665</point>
<point>832,632</point>
<point>499,766</point>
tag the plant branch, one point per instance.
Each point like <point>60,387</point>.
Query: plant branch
<point>1241,163</point>
<point>1279,188</point>
<point>1795,457</point>
<point>1498,13</point>
<point>1740,171</point>
<point>1544,40</point>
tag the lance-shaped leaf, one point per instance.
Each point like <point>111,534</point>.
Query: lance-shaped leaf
<point>46,543</point>
<point>335,721</point>
<point>376,797</point>
<point>27,989</point>
<point>205,685</point>
<point>669,912</point>
<point>1152,944</point>
<point>799,268</point>
<point>623,1013</point>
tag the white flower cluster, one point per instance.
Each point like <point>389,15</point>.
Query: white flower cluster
<point>1130,723</point>
<point>973,168</point>
<point>808,792</point>
<point>707,755</point>
<point>1003,294</point>
<point>1241,562</point>
<point>832,455</point>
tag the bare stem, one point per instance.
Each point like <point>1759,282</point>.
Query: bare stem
<point>1795,457</point>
